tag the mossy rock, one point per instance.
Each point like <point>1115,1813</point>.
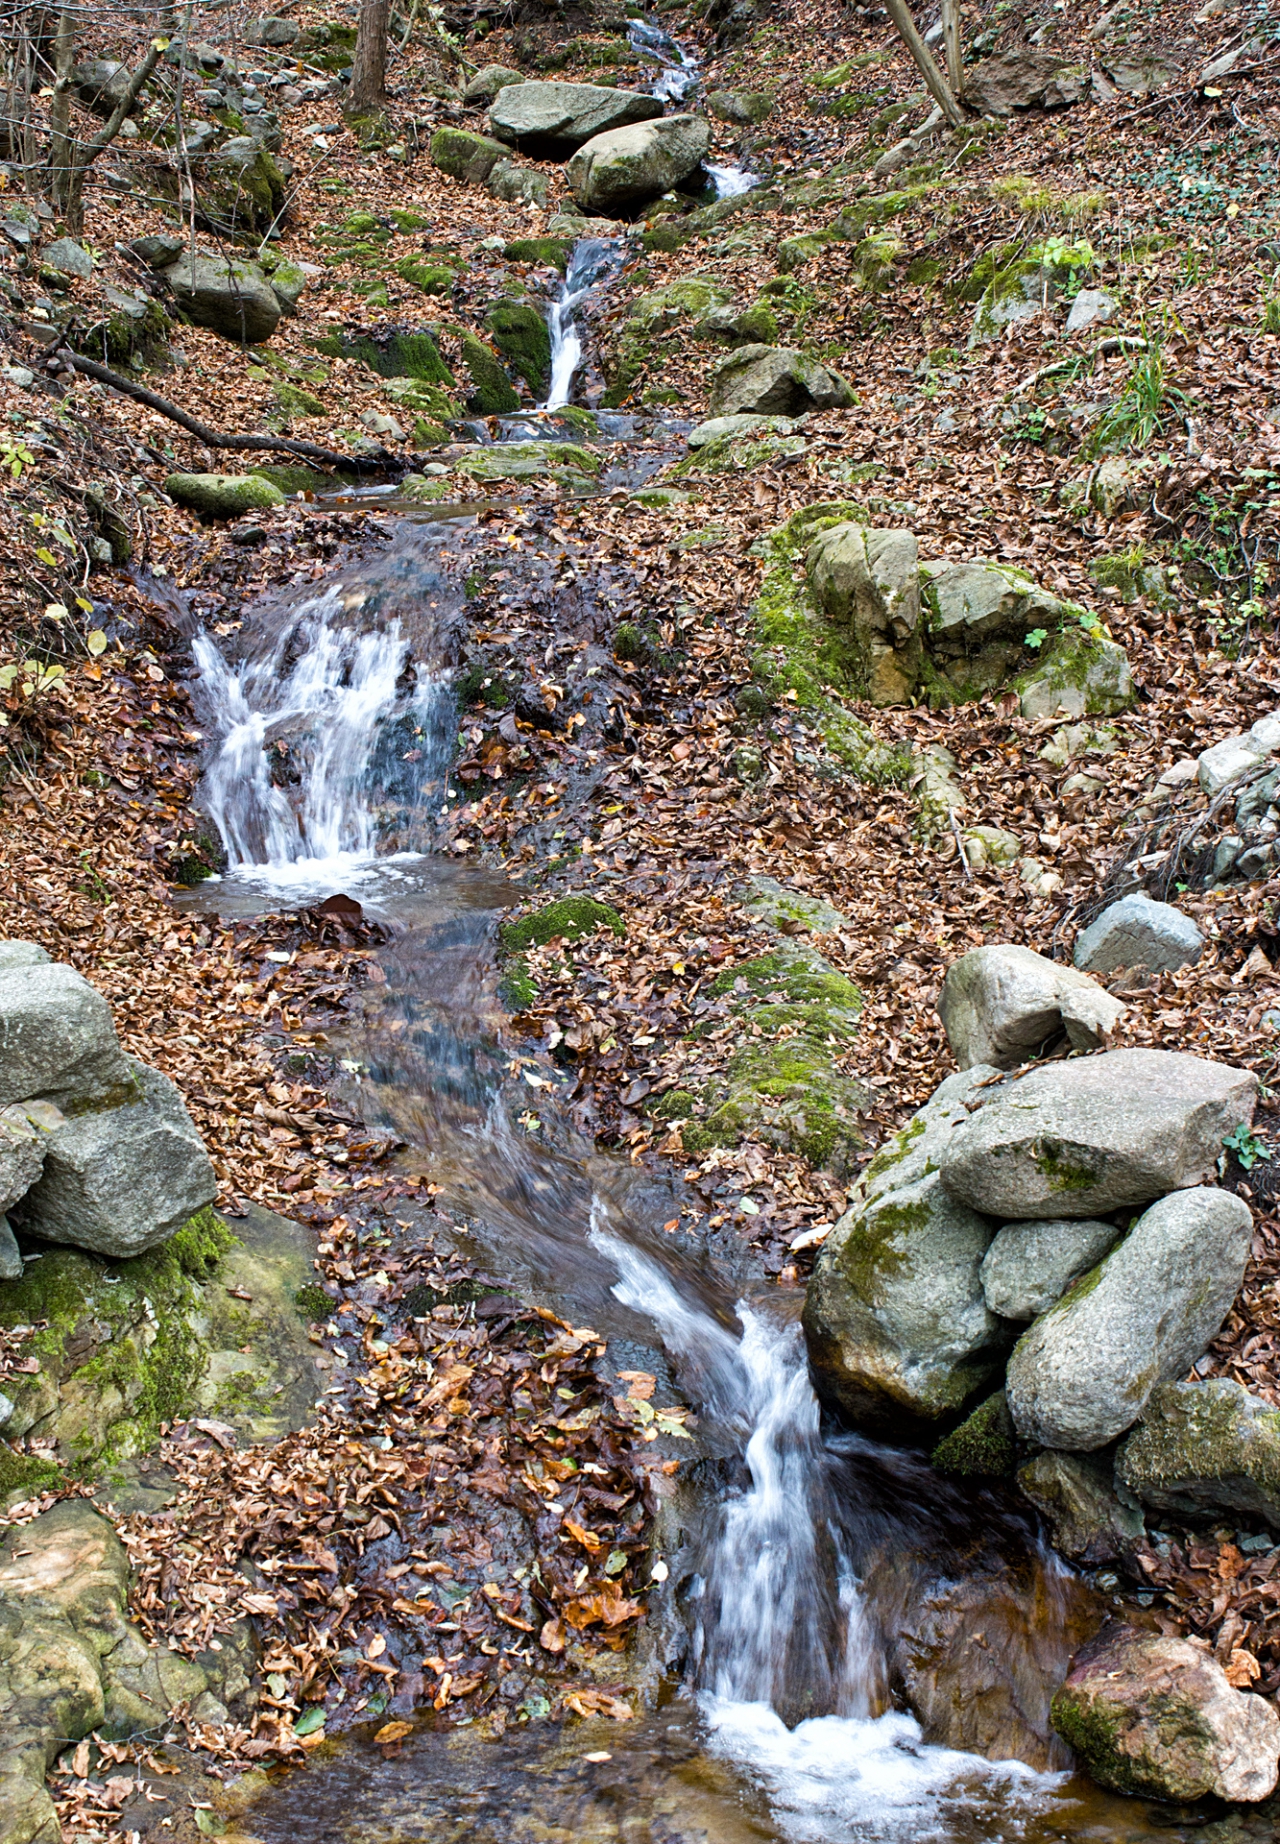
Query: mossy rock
<point>424,399</point>
<point>292,400</point>
<point>531,461</point>
<point>517,989</point>
<point>730,454</point>
<point>803,978</point>
<point>983,1446</point>
<point>551,251</point>
<point>787,1093</point>
<point>299,479</point>
<point>570,918</point>
<point>126,1346</point>
<point>492,392</point>
<point>465,155</point>
<point>222,496</point>
<point>431,278</point>
<point>523,338</point>
<point>393,352</point>
<point>797,252</point>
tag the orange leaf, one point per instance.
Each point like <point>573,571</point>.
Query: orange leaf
<point>551,1638</point>
<point>393,1731</point>
<point>588,1538</point>
<point>1243,1669</point>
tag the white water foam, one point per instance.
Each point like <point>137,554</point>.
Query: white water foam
<point>732,181</point>
<point>592,259</point>
<point>766,1624</point>
<point>680,71</point>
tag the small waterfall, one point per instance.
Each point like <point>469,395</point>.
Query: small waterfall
<point>785,1665</point>
<point>731,181</point>
<point>680,72</point>
<point>301,728</point>
<point>591,261</point>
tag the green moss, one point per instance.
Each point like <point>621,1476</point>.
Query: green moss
<point>874,1251</point>
<point>203,860</point>
<point>1092,1728</point>
<point>408,221</point>
<point>393,354</point>
<point>1063,1172</point>
<point>803,977</point>
<point>983,1445</point>
<point>431,278</point>
<point>294,401</point>
<point>570,918</point>
<point>27,1473</point>
<point>301,479</point>
<point>517,988</point>
<point>492,392</point>
<point>676,1104</point>
<point>522,337</point>
<point>552,251</point>
<point>313,1303</point>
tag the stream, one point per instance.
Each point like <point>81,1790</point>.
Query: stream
<point>850,1648</point>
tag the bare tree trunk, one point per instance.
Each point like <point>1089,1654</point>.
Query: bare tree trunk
<point>369,67</point>
<point>951,44</point>
<point>61,145</point>
<point>900,13</point>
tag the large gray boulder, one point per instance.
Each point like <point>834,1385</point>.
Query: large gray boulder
<point>1083,1373</point>
<point>867,582</point>
<point>1078,674</point>
<point>57,1040</point>
<point>553,120</point>
<point>897,1327</point>
<point>1204,1447</point>
<point>1007,1005</point>
<point>1025,78</point>
<point>916,1149</point>
<point>102,84</point>
<point>615,171</point>
<point>231,297</point>
<point>1137,932</point>
<point>1091,1135</point>
<point>776,381</point>
<point>121,1179</point>
<point>1156,1717</point>
<point>1030,1266</point>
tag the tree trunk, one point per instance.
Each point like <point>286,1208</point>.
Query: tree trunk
<point>369,67</point>
<point>900,13</point>
<point>951,43</point>
<point>61,146</point>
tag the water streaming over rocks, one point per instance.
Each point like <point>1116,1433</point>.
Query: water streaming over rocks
<point>592,262</point>
<point>817,1582</point>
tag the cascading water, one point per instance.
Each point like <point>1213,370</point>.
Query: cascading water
<point>592,260</point>
<point>680,72</point>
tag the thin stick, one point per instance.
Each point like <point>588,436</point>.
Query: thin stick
<point>900,13</point>
<point>213,438</point>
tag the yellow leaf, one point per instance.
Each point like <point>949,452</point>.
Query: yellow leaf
<point>96,642</point>
<point>46,556</point>
<point>393,1732</point>
<point>55,611</point>
<point>85,606</point>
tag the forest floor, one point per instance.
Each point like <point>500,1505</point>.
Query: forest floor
<point>1173,193</point>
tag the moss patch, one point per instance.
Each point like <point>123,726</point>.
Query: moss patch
<point>982,1446</point>
<point>521,335</point>
<point>492,392</point>
<point>570,919</point>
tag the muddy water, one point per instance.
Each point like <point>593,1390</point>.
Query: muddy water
<point>847,1647</point>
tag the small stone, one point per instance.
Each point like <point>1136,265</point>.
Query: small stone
<point>68,257</point>
<point>481,89</point>
<point>6,1406</point>
<point>19,375</point>
<point>377,422</point>
<point>1137,932</point>
<point>1181,774</point>
<point>1225,762</point>
<point>1091,306</point>
<point>776,380</point>
<point>1083,1373</point>
<point>1156,1717</point>
<point>10,1270</point>
<point>1264,736</point>
<point>464,155</point>
<point>746,422</point>
<point>1005,1005</point>
<point>1030,1266</point>
<point>1210,1446</point>
<point>1090,1523</point>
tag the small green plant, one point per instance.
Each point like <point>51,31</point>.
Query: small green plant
<point>14,456</point>
<point>1147,405</point>
<point>1271,315</point>
<point>1036,638</point>
<point>1246,1146</point>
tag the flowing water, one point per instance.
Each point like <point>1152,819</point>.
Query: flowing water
<point>820,1583</point>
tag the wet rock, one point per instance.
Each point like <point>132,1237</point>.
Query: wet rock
<point>1083,1373</point>
<point>66,257</point>
<point>121,1179</point>
<point>1074,1493</point>
<point>1136,932</point>
<point>983,1446</point>
<point>1091,307</point>
<point>868,582</point>
<point>741,108</point>
<point>1024,79</point>
<point>1200,1447</point>
<point>1079,674</point>
<point>480,90</point>
<point>1085,1137</point>
<point>1005,1005</point>
<point>222,496</point>
<point>233,298</point>
<point>58,1040</point>
<point>620,169</point>
<point>552,120</point>
<point>1030,1266</point>
<point>464,155</point>
<point>1155,1716</point>
<point>775,380</point>
<point>896,1322</point>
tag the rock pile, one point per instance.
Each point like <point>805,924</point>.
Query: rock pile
<point>1079,1196</point>
<point>96,1150</point>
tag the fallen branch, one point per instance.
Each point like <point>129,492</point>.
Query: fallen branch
<point>213,438</point>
